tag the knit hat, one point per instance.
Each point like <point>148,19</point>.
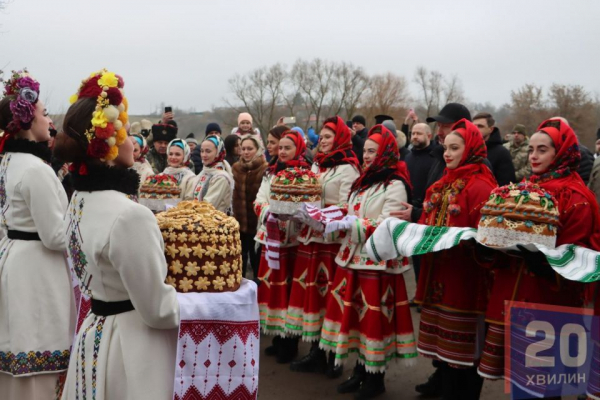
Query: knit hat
<point>359,119</point>
<point>390,125</point>
<point>212,127</point>
<point>191,139</point>
<point>519,128</point>
<point>244,117</point>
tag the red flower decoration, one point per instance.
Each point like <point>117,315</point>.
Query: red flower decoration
<point>97,148</point>
<point>105,133</point>
<point>91,88</point>
<point>114,96</point>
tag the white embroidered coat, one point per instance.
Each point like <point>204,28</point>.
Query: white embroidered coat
<point>289,229</point>
<point>371,207</point>
<point>37,310</point>
<point>220,188</point>
<point>116,249</point>
<point>336,183</point>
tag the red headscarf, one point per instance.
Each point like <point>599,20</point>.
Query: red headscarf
<point>341,152</point>
<point>472,158</point>
<point>387,165</point>
<point>561,178</point>
<point>471,166</point>
<point>299,159</point>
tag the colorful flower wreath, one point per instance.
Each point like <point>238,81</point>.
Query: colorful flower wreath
<point>24,92</point>
<point>110,117</point>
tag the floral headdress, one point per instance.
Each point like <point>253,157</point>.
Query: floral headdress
<point>23,92</point>
<point>110,117</point>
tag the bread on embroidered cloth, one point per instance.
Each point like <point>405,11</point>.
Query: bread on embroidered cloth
<point>293,187</point>
<point>202,248</point>
<point>520,213</point>
<point>159,191</point>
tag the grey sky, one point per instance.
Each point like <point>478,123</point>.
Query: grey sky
<point>183,52</point>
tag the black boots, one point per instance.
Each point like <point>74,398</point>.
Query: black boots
<point>314,361</point>
<point>285,349</point>
<point>333,371</point>
<point>433,386</point>
<point>371,387</point>
<point>273,349</point>
<point>353,383</point>
<point>461,383</point>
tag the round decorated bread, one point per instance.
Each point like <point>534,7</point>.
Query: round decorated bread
<point>160,186</point>
<point>202,248</point>
<point>158,192</point>
<point>520,213</point>
<point>293,187</point>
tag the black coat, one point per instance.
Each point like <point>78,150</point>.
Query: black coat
<point>587,162</point>
<point>363,133</point>
<point>499,157</point>
<point>419,162</point>
<point>197,160</point>
<point>358,143</point>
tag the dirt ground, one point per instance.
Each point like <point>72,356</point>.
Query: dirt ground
<point>277,381</point>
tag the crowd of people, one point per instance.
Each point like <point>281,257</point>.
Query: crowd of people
<point>75,191</point>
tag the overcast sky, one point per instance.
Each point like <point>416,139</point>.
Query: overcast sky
<point>182,52</point>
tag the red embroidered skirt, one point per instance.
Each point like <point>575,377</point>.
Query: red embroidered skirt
<point>492,357</point>
<point>314,271</point>
<point>450,336</point>
<point>274,291</point>
<point>368,314</point>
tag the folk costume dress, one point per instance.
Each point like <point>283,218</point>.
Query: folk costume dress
<point>126,346</point>
<point>579,224</point>
<point>214,184</point>
<point>37,306</point>
<point>368,311</point>
<point>275,284</point>
<point>315,264</point>
<point>452,287</point>
<point>185,178</point>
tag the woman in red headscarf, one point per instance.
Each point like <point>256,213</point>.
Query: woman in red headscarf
<point>554,157</point>
<point>337,168</point>
<point>368,301</point>
<point>452,288</point>
<point>274,289</point>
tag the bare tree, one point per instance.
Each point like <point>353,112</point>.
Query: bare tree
<point>259,92</point>
<point>575,104</point>
<point>437,90</point>
<point>528,107</point>
<point>351,84</point>
<point>316,81</point>
<point>387,94</point>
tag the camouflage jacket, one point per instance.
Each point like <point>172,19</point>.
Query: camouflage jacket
<point>520,159</point>
<point>157,161</point>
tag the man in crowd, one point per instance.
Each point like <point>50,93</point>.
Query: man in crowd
<point>519,152</point>
<point>359,125</point>
<point>498,155</point>
<point>162,134</point>
<point>357,141</point>
<point>419,162</point>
